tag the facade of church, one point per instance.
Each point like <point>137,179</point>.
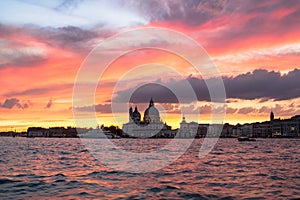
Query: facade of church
<point>150,126</point>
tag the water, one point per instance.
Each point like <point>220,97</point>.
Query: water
<point>43,168</point>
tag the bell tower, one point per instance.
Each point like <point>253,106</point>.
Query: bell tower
<point>271,116</point>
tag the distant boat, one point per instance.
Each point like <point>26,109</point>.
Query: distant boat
<point>242,139</point>
<point>95,133</point>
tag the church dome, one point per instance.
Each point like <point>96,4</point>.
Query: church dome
<point>151,114</point>
<point>152,111</point>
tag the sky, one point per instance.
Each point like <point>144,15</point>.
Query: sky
<point>254,44</point>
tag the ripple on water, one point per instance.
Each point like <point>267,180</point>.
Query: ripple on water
<point>163,188</point>
<point>276,178</point>
<point>7,181</point>
<point>260,174</point>
<point>191,196</point>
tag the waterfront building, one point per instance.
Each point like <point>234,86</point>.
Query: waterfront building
<point>227,131</point>
<point>245,130</point>
<point>37,132</point>
<point>286,128</point>
<point>187,130</point>
<point>263,129</point>
<point>151,126</point>
<point>52,132</point>
<point>202,130</point>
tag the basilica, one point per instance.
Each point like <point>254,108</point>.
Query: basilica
<point>150,126</point>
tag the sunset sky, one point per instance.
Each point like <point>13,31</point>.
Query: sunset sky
<point>254,44</point>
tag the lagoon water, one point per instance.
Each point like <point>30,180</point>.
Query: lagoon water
<point>47,168</point>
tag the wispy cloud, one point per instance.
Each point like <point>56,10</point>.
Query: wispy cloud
<point>68,13</point>
<point>22,57</point>
<point>40,90</point>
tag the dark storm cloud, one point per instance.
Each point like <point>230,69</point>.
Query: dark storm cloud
<point>260,84</point>
<point>10,103</point>
<point>148,91</point>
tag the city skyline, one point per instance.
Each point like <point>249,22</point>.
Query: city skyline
<point>254,45</point>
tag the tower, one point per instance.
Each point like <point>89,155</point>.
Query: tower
<point>130,114</point>
<point>151,103</point>
<point>136,116</point>
<point>271,116</point>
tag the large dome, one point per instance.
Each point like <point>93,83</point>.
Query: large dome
<point>151,114</point>
<point>151,111</point>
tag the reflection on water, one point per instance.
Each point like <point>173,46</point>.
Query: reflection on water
<point>63,168</point>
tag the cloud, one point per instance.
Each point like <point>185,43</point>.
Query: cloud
<point>253,24</point>
<point>72,38</point>
<point>40,90</point>
<point>231,110</point>
<point>100,108</point>
<point>263,84</point>
<point>192,12</point>
<point>21,57</point>
<point>10,103</point>
<point>246,110</point>
<point>260,84</point>
<point>146,92</point>
<point>49,104</point>
<point>279,110</point>
<point>75,39</point>
<point>68,12</point>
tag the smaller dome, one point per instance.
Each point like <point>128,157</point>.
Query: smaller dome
<point>136,115</point>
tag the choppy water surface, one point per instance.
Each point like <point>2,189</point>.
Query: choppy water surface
<point>43,168</point>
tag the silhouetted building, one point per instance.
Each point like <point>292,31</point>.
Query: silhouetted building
<point>263,129</point>
<point>37,132</point>
<point>286,128</point>
<point>136,116</point>
<point>227,131</point>
<point>245,130</point>
<point>53,132</point>
<point>151,126</point>
<point>202,130</point>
